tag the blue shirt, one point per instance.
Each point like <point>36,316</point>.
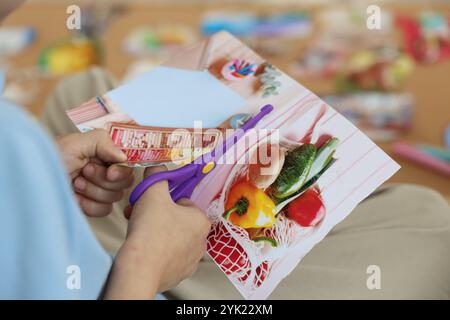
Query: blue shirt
<point>47,249</point>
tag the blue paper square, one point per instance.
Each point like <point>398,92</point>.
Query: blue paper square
<point>172,97</point>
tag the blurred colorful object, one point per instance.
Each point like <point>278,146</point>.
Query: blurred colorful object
<point>447,136</point>
<point>318,63</point>
<point>271,33</point>
<point>382,116</point>
<point>441,153</point>
<point>70,55</point>
<point>15,39</point>
<point>82,48</point>
<point>22,85</point>
<point>334,50</point>
<point>162,39</point>
<point>352,19</point>
<point>382,69</point>
<point>414,154</point>
<point>247,24</point>
<point>238,69</point>
<point>426,38</point>
<point>343,33</point>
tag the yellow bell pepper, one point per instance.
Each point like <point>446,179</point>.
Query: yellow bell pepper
<point>249,207</point>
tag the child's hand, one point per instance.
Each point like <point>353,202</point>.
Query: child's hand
<point>97,185</point>
<point>165,242</point>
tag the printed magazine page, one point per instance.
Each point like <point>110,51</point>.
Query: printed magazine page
<point>266,215</point>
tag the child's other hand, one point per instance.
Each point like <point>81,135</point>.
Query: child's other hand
<point>165,242</point>
<point>96,183</point>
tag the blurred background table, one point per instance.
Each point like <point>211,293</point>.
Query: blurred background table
<point>429,83</point>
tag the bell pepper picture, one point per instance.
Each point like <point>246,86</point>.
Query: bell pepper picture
<point>249,207</point>
<point>308,209</point>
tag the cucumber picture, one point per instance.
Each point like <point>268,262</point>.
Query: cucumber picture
<point>295,171</point>
<point>323,160</point>
<point>323,157</point>
<point>309,183</point>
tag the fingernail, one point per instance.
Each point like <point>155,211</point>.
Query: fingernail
<point>79,184</point>
<point>89,170</point>
<point>120,155</point>
<point>113,174</point>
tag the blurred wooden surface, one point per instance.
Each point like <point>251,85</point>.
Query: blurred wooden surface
<point>429,84</point>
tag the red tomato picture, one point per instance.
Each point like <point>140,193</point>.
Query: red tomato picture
<point>308,209</point>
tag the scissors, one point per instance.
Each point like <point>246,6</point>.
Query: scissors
<point>182,181</point>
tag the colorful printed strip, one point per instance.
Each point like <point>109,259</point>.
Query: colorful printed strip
<point>87,111</point>
<point>144,144</point>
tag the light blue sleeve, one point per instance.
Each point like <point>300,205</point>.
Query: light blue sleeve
<point>43,233</point>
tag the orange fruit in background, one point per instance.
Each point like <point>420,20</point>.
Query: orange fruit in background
<point>70,56</point>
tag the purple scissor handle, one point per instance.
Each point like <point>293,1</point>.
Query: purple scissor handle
<point>182,181</point>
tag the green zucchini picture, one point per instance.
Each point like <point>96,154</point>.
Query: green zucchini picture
<point>295,170</point>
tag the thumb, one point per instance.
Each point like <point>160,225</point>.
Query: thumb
<point>154,169</point>
<point>97,143</point>
<point>158,191</point>
<point>162,187</point>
